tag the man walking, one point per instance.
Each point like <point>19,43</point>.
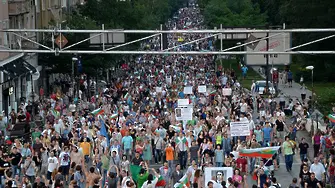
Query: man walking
<point>288,153</point>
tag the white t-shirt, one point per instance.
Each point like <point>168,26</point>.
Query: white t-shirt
<point>64,158</point>
<point>318,169</point>
<point>52,163</point>
<point>243,107</point>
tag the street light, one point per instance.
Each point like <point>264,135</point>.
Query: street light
<point>312,108</point>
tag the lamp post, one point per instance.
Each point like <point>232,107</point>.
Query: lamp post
<point>312,107</point>
<point>74,59</point>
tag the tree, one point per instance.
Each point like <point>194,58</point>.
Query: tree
<point>233,13</point>
<point>139,14</point>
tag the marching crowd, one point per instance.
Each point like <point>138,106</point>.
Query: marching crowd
<point>134,128</point>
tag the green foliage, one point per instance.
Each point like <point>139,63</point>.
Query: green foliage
<point>139,14</point>
<point>306,14</point>
<point>233,13</point>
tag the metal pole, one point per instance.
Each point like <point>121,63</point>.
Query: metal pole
<point>244,44</point>
<point>221,42</point>
<point>267,65</point>
<point>32,97</point>
<point>224,31</point>
<point>161,36</point>
<point>308,43</point>
<point>131,42</point>
<point>312,126</point>
<point>73,80</point>
<point>190,42</point>
<point>103,37</point>
<point>81,41</point>
<point>25,38</point>
<point>169,52</point>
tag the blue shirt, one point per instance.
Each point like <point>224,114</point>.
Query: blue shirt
<point>267,132</point>
<point>127,142</point>
<point>244,69</point>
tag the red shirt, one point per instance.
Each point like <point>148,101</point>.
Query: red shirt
<point>243,162</point>
<point>27,117</point>
<point>331,170</point>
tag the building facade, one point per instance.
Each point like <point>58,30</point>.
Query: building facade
<point>17,70</point>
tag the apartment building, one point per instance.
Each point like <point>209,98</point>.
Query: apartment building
<point>17,70</point>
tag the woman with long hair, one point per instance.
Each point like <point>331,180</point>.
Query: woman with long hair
<point>152,181</point>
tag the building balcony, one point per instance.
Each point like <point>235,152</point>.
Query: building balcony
<point>18,7</point>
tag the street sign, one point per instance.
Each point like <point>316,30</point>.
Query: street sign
<point>61,41</point>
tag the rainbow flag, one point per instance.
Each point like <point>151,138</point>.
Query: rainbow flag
<point>266,152</point>
<point>331,118</point>
<point>97,111</point>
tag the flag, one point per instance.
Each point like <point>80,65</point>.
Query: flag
<point>114,116</point>
<point>161,182</point>
<point>183,182</point>
<point>55,113</point>
<point>213,92</point>
<point>97,111</point>
<point>184,140</point>
<point>331,118</point>
<point>126,95</point>
<point>266,152</point>
<point>103,131</point>
<point>176,128</point>
<point>135,170</point>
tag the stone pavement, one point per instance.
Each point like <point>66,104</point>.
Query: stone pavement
<point>295,93</point>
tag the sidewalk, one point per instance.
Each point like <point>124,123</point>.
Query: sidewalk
<point>294,92</point>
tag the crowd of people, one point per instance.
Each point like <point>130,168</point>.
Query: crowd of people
<point>134,129</point>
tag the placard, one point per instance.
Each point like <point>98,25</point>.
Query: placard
<point>158,89</point>
<point>184,114</point>
<point>239,128</point>
<point>218,174</point>
<point>226,91</point>
<point>168,80</point>
<point>183,102</point>
<point>202,89</point>
<point>188,90</point>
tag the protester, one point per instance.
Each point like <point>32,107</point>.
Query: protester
<point>116,136</point>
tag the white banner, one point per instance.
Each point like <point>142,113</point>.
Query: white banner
<point>202,89</point>
<point>183,102</point>
<point>158,89</point>
<point>188,90</point>
<point>226,91</point>
<point>168,80</point>
<point>184,114</point>
<point>239,128</point>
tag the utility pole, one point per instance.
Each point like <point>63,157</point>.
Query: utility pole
<point>267,63</point>
<point>74,59</point>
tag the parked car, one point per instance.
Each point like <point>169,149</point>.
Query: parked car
<point>260,86</point>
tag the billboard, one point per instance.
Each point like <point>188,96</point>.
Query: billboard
<point>278,43</point>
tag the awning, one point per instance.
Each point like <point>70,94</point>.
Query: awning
<point>16,66</point>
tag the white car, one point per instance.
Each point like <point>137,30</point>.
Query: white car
<point>260,86</point>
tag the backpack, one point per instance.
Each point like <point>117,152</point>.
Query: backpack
<point>277,185</point>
